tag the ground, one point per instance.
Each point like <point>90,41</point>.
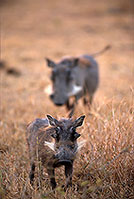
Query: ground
<point>33,30</point>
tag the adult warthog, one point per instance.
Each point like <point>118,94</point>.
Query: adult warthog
<point>74,77</point>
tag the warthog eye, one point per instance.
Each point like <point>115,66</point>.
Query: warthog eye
<point>55,135</point>
<point>72,146</point>
<point>73,130</point>
<point>74,134</point>
<point>57,129</point>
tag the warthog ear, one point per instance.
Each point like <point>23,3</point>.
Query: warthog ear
<point>52,121</point>
<point>79,121</point>
<point>50,63</point>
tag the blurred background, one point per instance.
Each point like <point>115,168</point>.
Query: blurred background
<point>32,30</point>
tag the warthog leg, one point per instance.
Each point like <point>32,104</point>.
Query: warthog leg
<point>68,174</point>
<point>31,175</point>
<point>91,99</point>
<point>51,174</point>
<point>69,106</point>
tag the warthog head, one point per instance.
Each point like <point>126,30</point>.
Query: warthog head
<point>63,80</point>
<point>65,136</point>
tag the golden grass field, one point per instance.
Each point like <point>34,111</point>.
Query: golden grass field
<point>32,30</point>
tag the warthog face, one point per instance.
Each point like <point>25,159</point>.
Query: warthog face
<point>65,136</point>
<point>63,81</point>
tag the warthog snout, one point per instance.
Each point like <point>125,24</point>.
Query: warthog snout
<point>58,99</point>
<point>63,162</point>
<point>65,155</point>
<point>61,152</point>
<point>52,97</point>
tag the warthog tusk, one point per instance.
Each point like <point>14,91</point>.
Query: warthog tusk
<point>48,90</point>
<point>81,144</point>
<point>76,89</point>
<point>50,145</point>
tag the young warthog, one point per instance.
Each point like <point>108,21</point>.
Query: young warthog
<point>53,154</point>
<point>74,76</point>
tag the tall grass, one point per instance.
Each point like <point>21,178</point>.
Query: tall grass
<point>104,167</point>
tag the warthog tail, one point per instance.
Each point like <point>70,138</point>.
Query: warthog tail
<point>102,51</point>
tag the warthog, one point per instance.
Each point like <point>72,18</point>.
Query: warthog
<point>74,76</point>
<point>53,154</point>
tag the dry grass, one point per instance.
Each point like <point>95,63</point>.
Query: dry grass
<point>32,30</point>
